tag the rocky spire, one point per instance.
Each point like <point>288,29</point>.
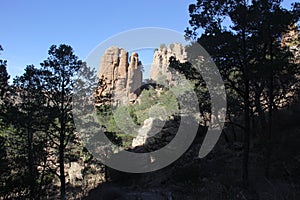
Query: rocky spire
<point>134,80</point>
<point>161,59</point>
<point>122,79</point>
<point>122,75</point>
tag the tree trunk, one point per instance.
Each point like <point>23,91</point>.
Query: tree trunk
<point>30,164</point>
<point>247,133</point>
<point>42,178</point>
<point>62,167</point>
<point>246,111</point>
<point>62,137</point>
<point>261,114</point>
<point>270,124</point>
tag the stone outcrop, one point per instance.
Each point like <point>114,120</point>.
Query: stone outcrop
<point>161,59</point>
<point>74,172</point>
<point>121,78</point>
<point>150,128</point>
<point>121,74</point>
<point>134,78</point>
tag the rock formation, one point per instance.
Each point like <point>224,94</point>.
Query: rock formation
<point>121,75</point>
<point>134,78</point>
<point>74,172</point>
<point>121,78</point>
<point>150,128</point>
<point>161,59</point>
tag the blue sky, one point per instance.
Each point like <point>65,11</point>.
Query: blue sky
<point>29,28</point>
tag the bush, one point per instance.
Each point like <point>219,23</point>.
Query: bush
<point>124,122</point>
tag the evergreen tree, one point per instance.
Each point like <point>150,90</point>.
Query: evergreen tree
<point>60,70</point>
<point>247,52</point>
<point>31,120</point>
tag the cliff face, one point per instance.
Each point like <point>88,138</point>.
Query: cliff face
<point>121,78</point>
<point>161,61</point>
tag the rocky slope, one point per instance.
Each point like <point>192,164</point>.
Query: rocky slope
<point>218,175</point>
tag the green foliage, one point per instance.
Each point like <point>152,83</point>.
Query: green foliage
<point>117,128</point>
<point>123,122</point>
<point>114,138</point>
<point>24,134</point>
<point>162,79</point>
<point>169,102</point>
<point>4,164</point>
<point>60,70</point>
<point>123,119</point>
<point>4,77</point>
<point>4,88</point>
<point>103,114</point>
<point>36,125</point>
<point>114,132</point>
<point>126,140</point>
<point>157,103</point>
<point>249,55</point>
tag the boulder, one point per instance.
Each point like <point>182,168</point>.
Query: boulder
<point>75,172</point>
<point>150,128</point>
